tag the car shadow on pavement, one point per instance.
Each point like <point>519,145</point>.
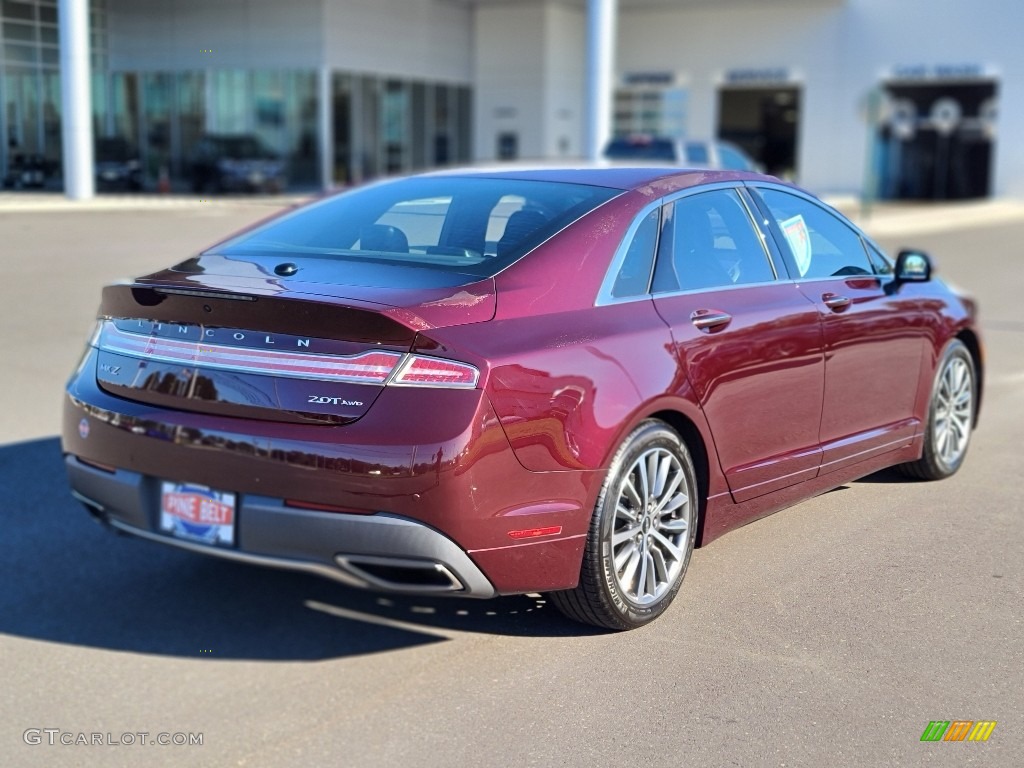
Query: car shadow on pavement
<point>888,475</point>
<point>65,579</point>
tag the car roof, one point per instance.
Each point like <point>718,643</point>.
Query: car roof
<point>613,176</point>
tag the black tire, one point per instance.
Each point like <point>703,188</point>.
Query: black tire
<point>607,595</point>
<point>948,418</point>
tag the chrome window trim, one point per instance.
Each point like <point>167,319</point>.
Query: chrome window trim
<point>604,294</point>
<point>695,291</point>
<point>762,235</point>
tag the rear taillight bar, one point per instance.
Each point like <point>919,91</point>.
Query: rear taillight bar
<point>423,371</point>
<point>378,367</point>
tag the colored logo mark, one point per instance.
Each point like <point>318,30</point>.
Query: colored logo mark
<point>958,730</point>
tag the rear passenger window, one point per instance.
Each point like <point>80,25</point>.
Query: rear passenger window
<point>635,274</point>
<point>818,243</point>
<point>708,241</point>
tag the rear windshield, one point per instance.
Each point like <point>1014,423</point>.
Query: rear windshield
<point>475,226</point>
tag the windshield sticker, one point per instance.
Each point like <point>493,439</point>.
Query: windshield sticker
<point>799,239</point>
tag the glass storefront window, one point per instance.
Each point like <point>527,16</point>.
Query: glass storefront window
<point>368,146</point>
<point>21,54</point>
<point>419,125</point>
<point>269,110</point>
<point>341,111</point>
<point>51,107</point>
<point>230,108</point>
<point>395,117</point>
<point>17,31</point>
<point>465,124</point>
<point>441,128</point>
<point>18,10</point>
<point>191,117</point>
<point>301,127</point>
<point>157,98</point>
<point>124,102</point>
<point>21,108</point>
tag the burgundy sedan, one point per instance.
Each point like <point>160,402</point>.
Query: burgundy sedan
<point>489,383</point>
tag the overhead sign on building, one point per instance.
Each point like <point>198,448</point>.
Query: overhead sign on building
<point>940,72</point>
<point>758,76</point>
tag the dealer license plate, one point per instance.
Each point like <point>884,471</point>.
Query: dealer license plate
<point>197,513</point>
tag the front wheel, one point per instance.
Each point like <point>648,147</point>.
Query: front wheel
<point>641,535</point>
<point>950,416</point>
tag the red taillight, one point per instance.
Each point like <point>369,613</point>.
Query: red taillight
<point>419,371</point>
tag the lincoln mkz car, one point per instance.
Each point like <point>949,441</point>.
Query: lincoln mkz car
<point>497,382</point>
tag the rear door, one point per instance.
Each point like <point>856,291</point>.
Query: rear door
<point>750,344</point>
<point>874,339</point>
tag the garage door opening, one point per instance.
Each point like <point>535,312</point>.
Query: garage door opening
<point>764,122</point>
<point>937,141</point>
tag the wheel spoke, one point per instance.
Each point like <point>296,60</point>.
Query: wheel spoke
<point>650,581</point>
<point>677,501</point>
<point>664,467</point>
<point>626,514</point>
<point>624,555</point>
<point>630,490</point>
<point>661,569</point>
<point>641,582</point>
<point>645,485</point>
<point>628,571</point>
<point>672,549</point>
<point>669,492</point>
<point>674,526</point>
<point>622,536</point>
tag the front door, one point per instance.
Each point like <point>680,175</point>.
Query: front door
<point>873,340</point>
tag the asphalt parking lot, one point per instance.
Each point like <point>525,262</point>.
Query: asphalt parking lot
<point>829,634</point>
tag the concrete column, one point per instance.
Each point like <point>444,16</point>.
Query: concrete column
<point>76,116</point>
<point>325,120</point>
<point>601,18</point>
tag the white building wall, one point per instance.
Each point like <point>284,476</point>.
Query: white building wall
<point>565,60</point>
<point>703,43</point>
<point>509,77</point>
<point>529,77</point>
<point>422,39</point>
<point>839,51</point>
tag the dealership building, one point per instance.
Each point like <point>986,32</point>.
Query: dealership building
<point>910,99</point>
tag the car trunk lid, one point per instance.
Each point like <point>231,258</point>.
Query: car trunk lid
<point>231,340</point>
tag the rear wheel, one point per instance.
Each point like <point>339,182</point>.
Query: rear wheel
<point>641,535</point>
<point>950,416</point>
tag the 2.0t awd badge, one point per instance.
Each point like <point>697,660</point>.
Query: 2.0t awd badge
<point>324,400</point>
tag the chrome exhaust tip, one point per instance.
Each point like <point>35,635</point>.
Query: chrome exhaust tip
<point>401,574</point>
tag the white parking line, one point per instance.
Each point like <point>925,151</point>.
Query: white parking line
<point>370,618</point>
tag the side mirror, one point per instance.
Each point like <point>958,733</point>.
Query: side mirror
<point>913,267</point>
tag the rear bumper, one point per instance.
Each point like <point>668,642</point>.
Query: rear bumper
<point>435,489</point>
<point>383,552</point>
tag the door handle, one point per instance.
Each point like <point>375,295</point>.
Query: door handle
<point>835,302</point>
<point>710,319</point>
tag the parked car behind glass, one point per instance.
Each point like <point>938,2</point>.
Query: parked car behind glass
<point>117,164</point>
<point>644,148</point>
<point>236,163</point>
